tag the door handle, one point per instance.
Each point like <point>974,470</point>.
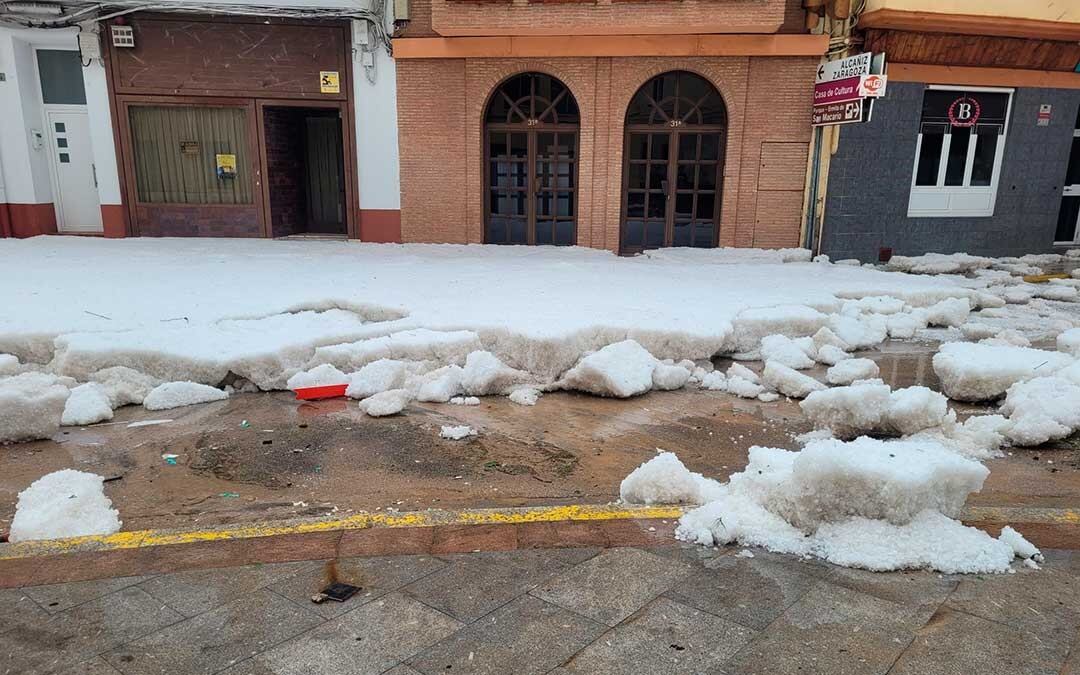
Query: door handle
<point>93,168</point>
<point>665,186</point>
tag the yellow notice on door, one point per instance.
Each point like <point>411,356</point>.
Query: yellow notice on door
<point>226,166</point>
<point>329,82</point>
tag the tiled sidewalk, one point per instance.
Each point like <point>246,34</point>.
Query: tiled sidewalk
<point>662,610</point>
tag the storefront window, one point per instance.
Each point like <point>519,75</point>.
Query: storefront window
<point>959,149</point>
<point>190,154</point>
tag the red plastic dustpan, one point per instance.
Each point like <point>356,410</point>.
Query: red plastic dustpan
<point>324,391</point>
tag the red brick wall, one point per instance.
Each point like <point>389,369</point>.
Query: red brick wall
<point>440,118</point>
<point>431,133</point>
<point>603,17</point>
<point>284,131</point>
<point>164,220</point>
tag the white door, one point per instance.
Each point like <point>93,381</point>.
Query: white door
<point>77,205</point>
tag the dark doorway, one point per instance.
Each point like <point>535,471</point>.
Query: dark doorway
<point>674,164</point>
<point>305,171</point>
<point>530,163</point>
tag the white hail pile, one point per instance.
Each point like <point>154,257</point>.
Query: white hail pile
<point>394,324</point>
<point>878,505</point>
<point>65,503</point>
<point>426,322</point>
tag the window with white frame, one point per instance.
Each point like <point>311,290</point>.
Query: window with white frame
<point>958,152</point>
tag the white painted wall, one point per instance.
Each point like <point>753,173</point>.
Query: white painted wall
<point>101,132</point>
<point>376,131</point>
<point>26,171</point>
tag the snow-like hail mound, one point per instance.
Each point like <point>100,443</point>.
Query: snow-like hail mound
<point>983,372</point>
<point>65,503</point>
<point>348,304</point>
<point>88,404</point>
<point>621,370</point>
<point>879,505</point>
<point>31,406</point>
<point>666,480</point>
<point>179,394</point>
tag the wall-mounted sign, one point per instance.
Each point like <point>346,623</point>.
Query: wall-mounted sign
<point>838,113</point>
<point>964,112</point>
<point>965,108</point>
<point>226,166</point>
<point>873,85</point>
<point>329,82</point>
<point>122,36</point>
<point>837,91</point>
<point>845,89</point>
<point>1043,118</point>
<point>842,69</point>
<point>189,147</point>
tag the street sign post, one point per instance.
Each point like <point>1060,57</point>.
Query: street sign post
<point>845,89</point>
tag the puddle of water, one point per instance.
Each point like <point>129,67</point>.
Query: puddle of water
<point>906,369</point>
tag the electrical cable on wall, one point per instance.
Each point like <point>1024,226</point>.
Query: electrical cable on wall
<point>43,15</point>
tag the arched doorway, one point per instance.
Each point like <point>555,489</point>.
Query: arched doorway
<point>530,162</point>
<point>673,166</point>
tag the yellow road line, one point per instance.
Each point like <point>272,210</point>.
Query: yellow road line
<point>506,516</point>
<point>1043,278</point>
<point>1021,514</point>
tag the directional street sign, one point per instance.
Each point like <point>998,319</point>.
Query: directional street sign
<point>842,69</point>
<point>838,113</point>
<point>837,91</point>
<point>845,89</point>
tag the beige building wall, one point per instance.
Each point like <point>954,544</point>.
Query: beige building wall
<point>1041,10</point>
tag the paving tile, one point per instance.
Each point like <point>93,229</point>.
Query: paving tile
<point>474,584</point>
<point>375,576</point>
<point>368,640</point>
<point>97,666</point>
<point>526,636</point>
<point>664,637</point>
<point>78,634</point>
<point>954,642</point>
<point>216,639</point>
<point>198,591</point>
<point>830,630</point>
<point>573,556</point>
<point>58,597</point>
<point>749,591</point>
<point>1072,664</point>
<point>17,608</point>
<point>923,590</point>
<point>692,553</point>
<point>614,584</point>
<point>1045,602</point>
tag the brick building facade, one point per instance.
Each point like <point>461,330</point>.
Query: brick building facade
<point>454,55</point>
<point>192,134</point>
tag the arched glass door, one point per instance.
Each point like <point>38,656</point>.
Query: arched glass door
<point>676,127</point>
<point>530,162</point>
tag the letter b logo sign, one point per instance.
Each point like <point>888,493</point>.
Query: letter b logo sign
<point>964,112</point>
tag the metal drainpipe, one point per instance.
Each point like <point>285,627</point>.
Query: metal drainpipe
<point>6,226</point>
<point>811,210</point>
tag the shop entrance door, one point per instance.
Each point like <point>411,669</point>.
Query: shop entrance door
<point>674,164</point>
<point>1068,226</point>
